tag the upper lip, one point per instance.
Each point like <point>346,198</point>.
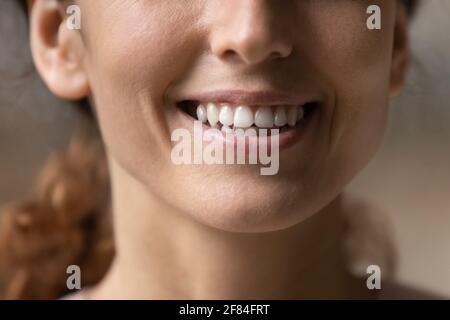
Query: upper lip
<point>242,97</point>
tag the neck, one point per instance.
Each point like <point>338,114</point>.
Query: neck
<point>164,254</point>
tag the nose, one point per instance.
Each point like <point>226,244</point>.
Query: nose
<point>251,31</point>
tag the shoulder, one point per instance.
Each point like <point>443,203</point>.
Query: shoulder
<point>397,291</point>
<point>79,295</point>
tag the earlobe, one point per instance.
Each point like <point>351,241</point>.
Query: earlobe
<point>400,53</point>
<point>57,51</point>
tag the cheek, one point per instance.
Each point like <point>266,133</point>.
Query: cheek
<point>354,63</point>
<point>361,98</point>
<point>130,69</point>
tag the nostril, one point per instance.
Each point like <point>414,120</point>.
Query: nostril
<point>253,57</point>
<point>252,48</point>
<point>231,55</point>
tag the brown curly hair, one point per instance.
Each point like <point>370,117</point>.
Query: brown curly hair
<point>65,221</point>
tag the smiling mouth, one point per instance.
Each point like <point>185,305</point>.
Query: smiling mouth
<point>228,116</point>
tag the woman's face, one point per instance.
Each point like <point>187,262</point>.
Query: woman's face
<point>142,58</point>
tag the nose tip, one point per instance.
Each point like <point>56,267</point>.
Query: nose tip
<point>253,35</point>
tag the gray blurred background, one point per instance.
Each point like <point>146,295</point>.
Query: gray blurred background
<point>409,178</point>
<point>32,121</point>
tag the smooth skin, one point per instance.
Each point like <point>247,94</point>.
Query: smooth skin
<point>226,232</point>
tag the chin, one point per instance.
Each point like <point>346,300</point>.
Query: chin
<point>251,208</point>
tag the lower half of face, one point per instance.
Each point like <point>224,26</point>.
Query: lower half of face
<point>318,75</point>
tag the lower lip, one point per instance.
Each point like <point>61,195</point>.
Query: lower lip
<point>287,139</point>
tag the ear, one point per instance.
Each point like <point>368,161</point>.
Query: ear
<point>401,53</point>
<point>57,50</point>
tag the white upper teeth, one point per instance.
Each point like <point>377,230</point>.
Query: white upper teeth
<point>292,115</point>
<point>264,117</point>
<point>201,113</point>
<point>213,114</point>
<point>280,119</point>
<point>243,117</point>
<point>300,114</point>
<point>226,115</point>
